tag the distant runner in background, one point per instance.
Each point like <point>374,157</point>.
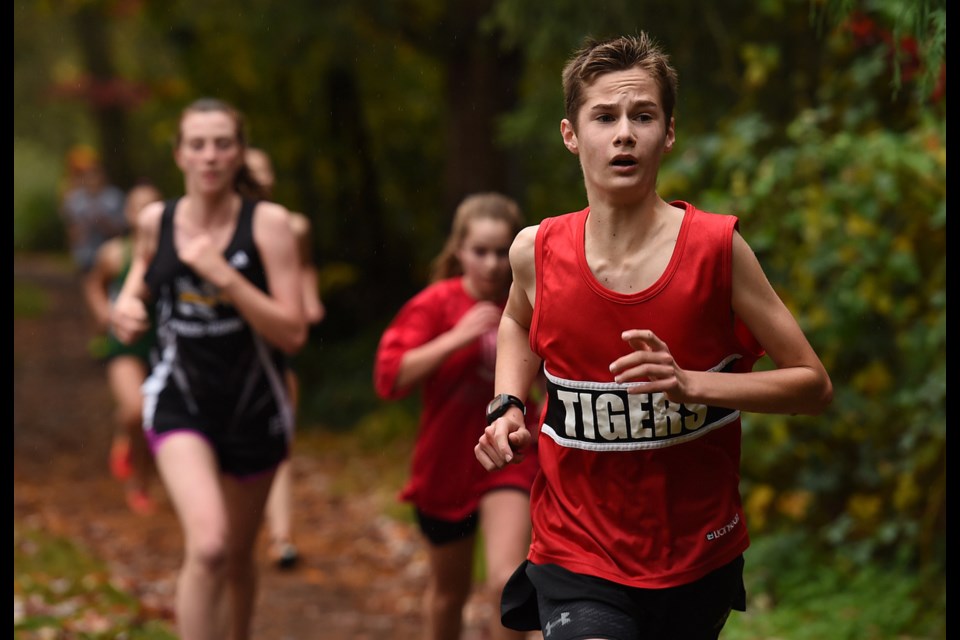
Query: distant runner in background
<point>127,365</point>
<point>442,344</point>
<point>91,209</point>
<point>283,551</point>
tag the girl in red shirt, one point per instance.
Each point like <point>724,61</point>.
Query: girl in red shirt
<point>443,342</point>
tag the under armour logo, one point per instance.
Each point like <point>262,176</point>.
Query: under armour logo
<point>562,620</point>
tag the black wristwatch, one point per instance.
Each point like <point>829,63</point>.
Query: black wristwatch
<point>499,405</point>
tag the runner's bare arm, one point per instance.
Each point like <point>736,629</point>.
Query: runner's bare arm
<point>517,365</point>
<point>128,316</point>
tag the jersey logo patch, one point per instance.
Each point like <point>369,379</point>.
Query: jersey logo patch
<point>602,416</point>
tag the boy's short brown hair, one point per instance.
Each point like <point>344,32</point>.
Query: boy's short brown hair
<point>598,57</point>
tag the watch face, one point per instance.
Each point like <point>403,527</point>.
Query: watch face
<point>499,405</point>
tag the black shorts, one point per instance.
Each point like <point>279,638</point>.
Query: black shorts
<point>440,532</point>
<point>569,606</point>
<point>245,445</point>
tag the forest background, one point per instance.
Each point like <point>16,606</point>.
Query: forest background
<point>821,124</point>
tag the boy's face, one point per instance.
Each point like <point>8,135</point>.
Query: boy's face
<point>620,135</point>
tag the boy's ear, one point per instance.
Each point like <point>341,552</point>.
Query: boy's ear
<point>569,136</point>
<point>670,137</point>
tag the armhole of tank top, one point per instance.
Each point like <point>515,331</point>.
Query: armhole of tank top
<point>537,281</point>
<point>244,231</point>
<point>168,208</point>
<point>166,226</point>
<point>730,226</point>
<point>247,207</point>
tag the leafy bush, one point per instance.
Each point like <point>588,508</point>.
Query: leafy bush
<point>794,592</point>
<point>36,223</point>
<point>845,206</point>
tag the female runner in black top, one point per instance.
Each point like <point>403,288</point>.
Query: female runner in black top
<point>220,268</point>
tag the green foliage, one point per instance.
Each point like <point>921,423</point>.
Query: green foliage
<point>337,379</point>
<point>60,590</point>
<point>848,216</point>
<point>920,25</point>
<point>797,593</point>
<point>36,221</point>
<point>391,424</point>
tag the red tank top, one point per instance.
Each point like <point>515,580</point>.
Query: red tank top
<point>634,488</point>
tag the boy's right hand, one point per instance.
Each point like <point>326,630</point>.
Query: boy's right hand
<point>503,442</point>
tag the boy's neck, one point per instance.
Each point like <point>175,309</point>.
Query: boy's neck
<point>628,249</point>
<point>627,219</point>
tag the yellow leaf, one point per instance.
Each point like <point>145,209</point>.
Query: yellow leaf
<point>864,508</point>
<point>795,504</point>
<point>757,504</point>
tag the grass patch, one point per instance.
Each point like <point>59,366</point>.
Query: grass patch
<point>797,593</point>
<point>61,591</point>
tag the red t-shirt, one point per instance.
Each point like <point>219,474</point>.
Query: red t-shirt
<point>446,479</point>
<point>633,488</point>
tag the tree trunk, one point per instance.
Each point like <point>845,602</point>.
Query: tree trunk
<point>106,105</point>
<point>482,83</point>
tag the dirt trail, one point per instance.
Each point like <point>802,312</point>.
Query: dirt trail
<point>362,572</point>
